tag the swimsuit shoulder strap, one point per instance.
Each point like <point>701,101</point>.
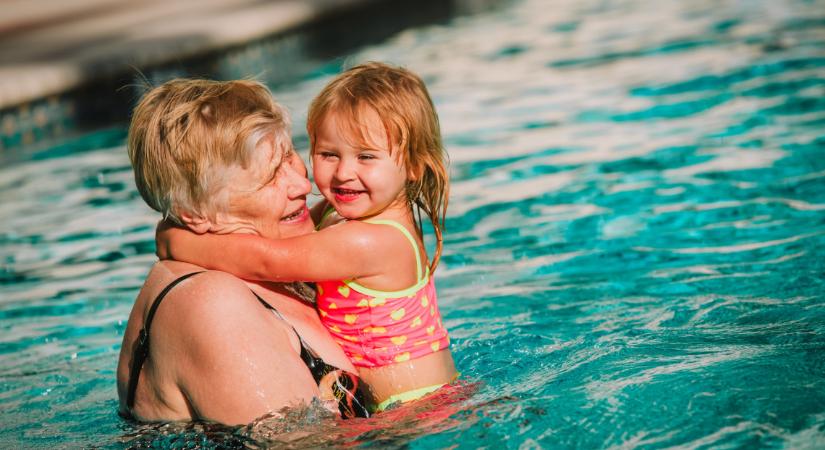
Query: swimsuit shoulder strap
<point>141,348</point>
<point>317,366</point>
<point>345,388</point>
<point>327,213</point>
<point>410,238</point>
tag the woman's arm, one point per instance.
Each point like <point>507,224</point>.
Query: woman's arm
<point>346,251</point>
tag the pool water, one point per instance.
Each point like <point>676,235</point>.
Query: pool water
<point>633,254</point>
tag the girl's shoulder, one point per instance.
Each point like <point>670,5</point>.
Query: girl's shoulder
<point>374,235</point>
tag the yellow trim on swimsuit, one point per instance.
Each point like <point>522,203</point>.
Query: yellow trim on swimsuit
<point>405,397</point>
<point>378,328</point>
<point>409,396</point>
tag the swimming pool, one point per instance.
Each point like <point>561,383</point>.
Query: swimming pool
<point>633,253</point>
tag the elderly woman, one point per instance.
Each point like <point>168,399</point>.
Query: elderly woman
<point>216,157</point>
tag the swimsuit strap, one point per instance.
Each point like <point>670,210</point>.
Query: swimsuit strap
<point>327,213</point>
<point>317,366</point>
<point>410,238</point>
<point>345,388</point>
<point>141,348</point>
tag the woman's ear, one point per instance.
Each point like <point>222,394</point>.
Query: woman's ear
<point>196,222</point>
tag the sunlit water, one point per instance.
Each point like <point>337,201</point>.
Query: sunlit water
<point>634,254</point>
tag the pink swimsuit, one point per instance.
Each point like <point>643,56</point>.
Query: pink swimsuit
<point>378,328</point>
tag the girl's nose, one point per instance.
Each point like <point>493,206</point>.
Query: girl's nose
<point>344,170</point>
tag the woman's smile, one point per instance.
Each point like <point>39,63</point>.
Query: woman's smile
<point>297,215</point>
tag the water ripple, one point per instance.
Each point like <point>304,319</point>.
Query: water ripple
<point>632,255</point>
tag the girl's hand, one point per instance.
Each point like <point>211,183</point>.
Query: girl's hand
<point>166,234</point>
<point>178,243</point>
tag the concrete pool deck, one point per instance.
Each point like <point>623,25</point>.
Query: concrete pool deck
<point>51,46</point>
<point>65,64</point>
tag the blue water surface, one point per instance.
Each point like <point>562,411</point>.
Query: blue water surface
<point>633,251</point>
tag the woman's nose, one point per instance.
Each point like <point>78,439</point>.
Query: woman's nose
<point>298,183</point>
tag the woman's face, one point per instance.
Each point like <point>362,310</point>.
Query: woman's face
<point>268,198</point>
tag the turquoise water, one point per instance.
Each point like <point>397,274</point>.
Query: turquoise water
<point>633,255</point>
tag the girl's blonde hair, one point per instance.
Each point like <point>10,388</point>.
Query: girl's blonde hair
<point>186,133</point>
<point>403,104</point>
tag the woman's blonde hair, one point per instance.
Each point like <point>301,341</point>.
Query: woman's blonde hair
<point>185,133</point>
<point>402,102</point>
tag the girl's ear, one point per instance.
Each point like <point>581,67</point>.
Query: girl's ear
<point>414,173</point>
<point>196,222</point>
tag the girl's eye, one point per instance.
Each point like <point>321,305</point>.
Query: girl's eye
<point>327,155</point>
<point>366,156</point>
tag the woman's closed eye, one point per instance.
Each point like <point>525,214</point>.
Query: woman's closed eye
<point>287,158</point>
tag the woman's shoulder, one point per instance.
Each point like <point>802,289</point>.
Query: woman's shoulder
<point>206,306</point>
<point>211,291</point>
<point>165,272</point>
<point>212,331</point>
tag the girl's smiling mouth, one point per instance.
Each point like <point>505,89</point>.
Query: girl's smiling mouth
<point>346,195</point>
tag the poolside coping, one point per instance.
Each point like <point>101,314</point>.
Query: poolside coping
<point>69,66</point>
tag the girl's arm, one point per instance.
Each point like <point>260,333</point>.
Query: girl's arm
<point>346,251</point>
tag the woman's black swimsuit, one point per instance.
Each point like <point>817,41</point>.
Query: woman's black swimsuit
<point>346,387</point>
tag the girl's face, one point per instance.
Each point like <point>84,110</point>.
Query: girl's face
<point>358,182</point>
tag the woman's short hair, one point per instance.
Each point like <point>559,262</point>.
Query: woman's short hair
<point>186,133</point>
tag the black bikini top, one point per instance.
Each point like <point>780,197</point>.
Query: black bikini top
<point>346,386</point>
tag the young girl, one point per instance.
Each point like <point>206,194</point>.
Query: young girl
<point>377,158</point>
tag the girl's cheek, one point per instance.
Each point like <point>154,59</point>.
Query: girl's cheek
<point>318,176</point>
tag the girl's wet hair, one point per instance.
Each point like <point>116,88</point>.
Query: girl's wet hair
<point>402,102</point>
